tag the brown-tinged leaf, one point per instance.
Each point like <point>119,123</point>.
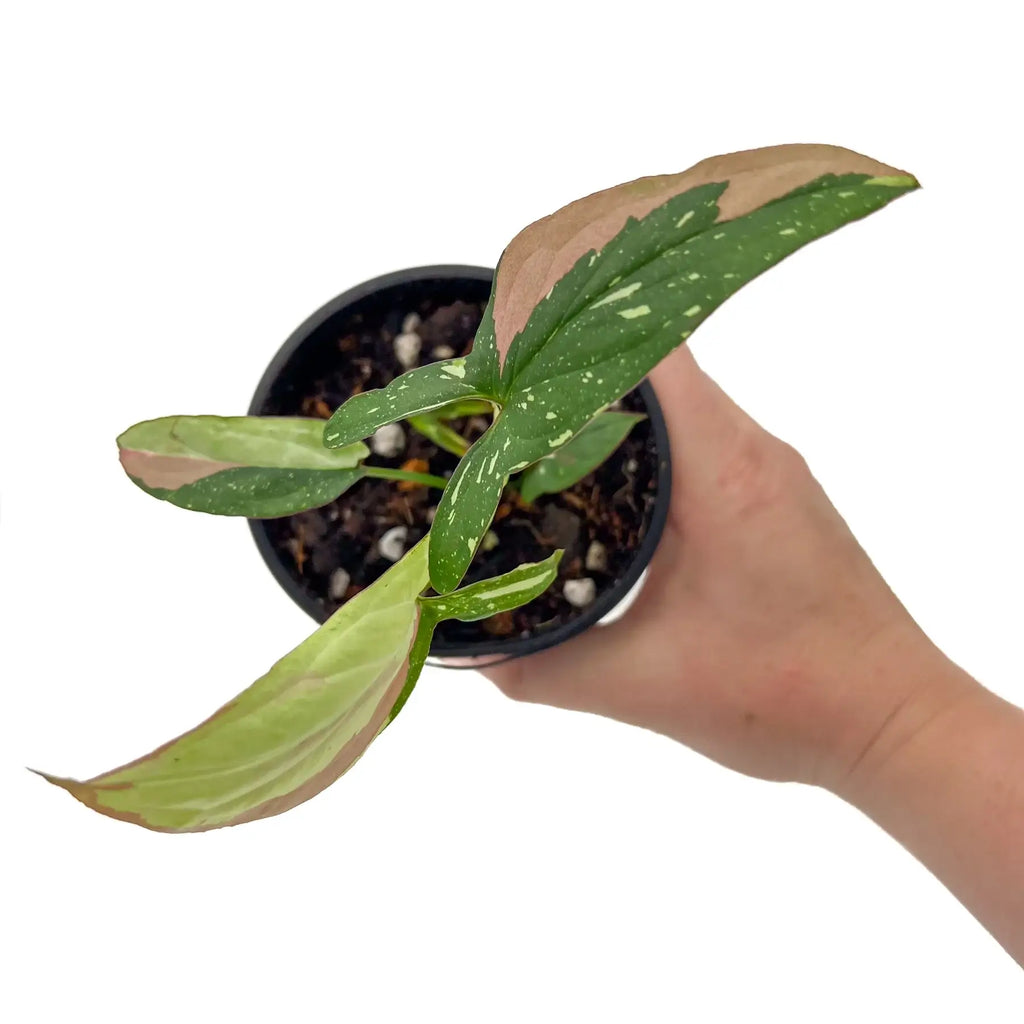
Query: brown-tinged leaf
<point>289,735</point>
<point>543,253</point>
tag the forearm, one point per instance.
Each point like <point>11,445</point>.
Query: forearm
<point>947,781</point>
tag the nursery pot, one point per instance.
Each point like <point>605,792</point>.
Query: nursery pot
<point>353,337</point>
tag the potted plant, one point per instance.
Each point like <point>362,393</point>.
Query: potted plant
<point>584,304</point>
<point>605,513</point>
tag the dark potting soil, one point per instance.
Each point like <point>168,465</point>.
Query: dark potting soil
<point>333,552</point>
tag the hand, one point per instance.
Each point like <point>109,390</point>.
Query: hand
<point>764,637</point>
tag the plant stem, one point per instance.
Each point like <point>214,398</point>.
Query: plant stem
<point>427,479</point>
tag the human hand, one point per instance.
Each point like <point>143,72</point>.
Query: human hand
<point>763,637</point>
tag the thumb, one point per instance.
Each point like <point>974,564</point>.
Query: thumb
<point>704,424</point>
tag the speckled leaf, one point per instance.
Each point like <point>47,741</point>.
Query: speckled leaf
<point>589,343</point>
<point>580,456</point>
<point>483,362</point>
<point>477,601</point>
<point>260,467</point>
<point>289,735</point>
<point>418,391</point>
<point>543,253</point>
<point>498,594</point>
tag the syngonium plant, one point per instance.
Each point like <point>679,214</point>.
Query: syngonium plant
<point>585,303</point>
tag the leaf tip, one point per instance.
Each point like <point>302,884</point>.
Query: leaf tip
<point>72,786</point>
<point>894,181</point>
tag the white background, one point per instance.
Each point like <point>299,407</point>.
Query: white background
<point>182,185</point>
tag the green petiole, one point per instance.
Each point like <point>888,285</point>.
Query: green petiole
<point>383,473</point>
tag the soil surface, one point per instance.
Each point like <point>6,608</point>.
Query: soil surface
<point>338,546</point>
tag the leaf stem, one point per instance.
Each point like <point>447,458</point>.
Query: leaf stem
<point>427,479</point>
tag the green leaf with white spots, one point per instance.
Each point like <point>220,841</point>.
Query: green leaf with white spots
<point>499,594</point>
<point>483,363</point>
<point>617,313</point>
<point>477,601</point>
<point>606,343</point>
<point>253,466</point>
<point>287,737</point>
<point>467,507</point>
<point>545,251</point>
<point>419,391</point>
<point>580,456</point>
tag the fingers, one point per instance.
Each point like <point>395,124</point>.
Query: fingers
<point>572,674</point>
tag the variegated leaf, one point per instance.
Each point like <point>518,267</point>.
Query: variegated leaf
<point>580,456</point>
<point>477,601</point>
<point>618,312</point>
<point>418,391</point>
<point>260,467</point>
<point>545,251</point>
<point>289,735</point>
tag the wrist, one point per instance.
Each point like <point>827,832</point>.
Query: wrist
<point>947,782</point>
<point>930,698</point>
<point>939,703</point>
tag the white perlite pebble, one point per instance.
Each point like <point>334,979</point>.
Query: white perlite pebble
<point>631,466</point>
<point>388,441</point>
<point>431,512</point>
<point>338,584</point>
<point>490,541</point>
<point>411,322</point>
<point>443,352</point>
<point>597,557</point>
<point>392,544</point>
<point>580,593</point>
<point>407,348</point>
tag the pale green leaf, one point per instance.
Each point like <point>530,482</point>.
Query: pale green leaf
<point>289,735</point>
<point>260,467</point>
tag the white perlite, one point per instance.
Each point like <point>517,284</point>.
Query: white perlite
<point>431,512</point>
<point>388,441</point>
<point>411,322</point>
<point>392,544</point>
<point>443,352</point>
<point>407,348</point>
<point>338,584</point>
<point>580,593</point>
<point>490,541</point>
<point>597,557</point>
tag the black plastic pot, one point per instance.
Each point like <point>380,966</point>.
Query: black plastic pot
<point>402,290</point>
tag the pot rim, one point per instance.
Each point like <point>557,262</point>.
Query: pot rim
<point>511,647</point>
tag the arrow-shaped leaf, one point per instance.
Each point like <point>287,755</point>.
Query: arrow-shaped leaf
<point>605,324</point>
<point>238,465</point>
<point>310,718</point>
<point>578,457</point>
<point>289,735</point>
